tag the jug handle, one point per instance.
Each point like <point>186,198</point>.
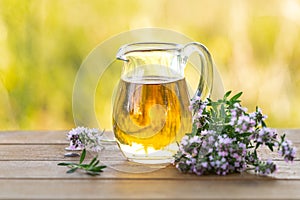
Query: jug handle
<point>206,68</point>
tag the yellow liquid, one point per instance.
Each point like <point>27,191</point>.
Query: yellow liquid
<point>149,117</point>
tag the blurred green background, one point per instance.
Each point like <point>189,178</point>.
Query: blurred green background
<point>255,45</point>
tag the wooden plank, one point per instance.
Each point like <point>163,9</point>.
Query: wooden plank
<point>146,189</point>
<point>56,152</point>
<point>50,170</point>
<point>33,137</point>
<point>51,152</point>
<point>32,152</point>
<point>59,137</point>
<point>39,137</point>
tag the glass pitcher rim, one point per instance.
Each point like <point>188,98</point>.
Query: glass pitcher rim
<point>147,47</point>
<point>153,46</point>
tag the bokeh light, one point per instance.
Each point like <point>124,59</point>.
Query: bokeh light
<point>255,45</point>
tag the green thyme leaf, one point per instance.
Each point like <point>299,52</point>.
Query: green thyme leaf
<point>270,145</point>
<point>96,163</point>
<point>72,170</point>
<point>82,156</point>
<point>227,94</point>
<point>235,97</point>
<point>64,164</point>
<point>94,160</point>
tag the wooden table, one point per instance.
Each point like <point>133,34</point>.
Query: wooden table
<point>28,170</point>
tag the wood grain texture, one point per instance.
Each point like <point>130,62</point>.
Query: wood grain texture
<point>28,170</point>
<point>56,152</point>
<point>146,189</point>
<point>33,137</point>
<point>59,137</point>
<point>50,170</point>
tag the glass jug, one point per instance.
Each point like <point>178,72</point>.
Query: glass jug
<point>151,107</point>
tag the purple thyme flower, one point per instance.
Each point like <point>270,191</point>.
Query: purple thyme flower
<point>243,123</point>
<point>82,137</point>
<point>264,135</point>
<point>287,151</point>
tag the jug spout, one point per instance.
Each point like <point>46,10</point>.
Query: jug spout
<point>146,60</point>
<point>121,55</point>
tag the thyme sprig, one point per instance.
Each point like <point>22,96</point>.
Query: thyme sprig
<point>93,168</point>
<point>225,139</point>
